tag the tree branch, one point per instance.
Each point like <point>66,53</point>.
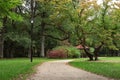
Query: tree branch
<point>61,39</point>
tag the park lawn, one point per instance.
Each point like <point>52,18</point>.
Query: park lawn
<point>17,68</point>
<point>106,66</point>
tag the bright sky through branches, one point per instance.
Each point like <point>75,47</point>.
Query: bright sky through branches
<point>101,1</point>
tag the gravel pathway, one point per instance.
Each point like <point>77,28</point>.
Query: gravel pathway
<point>60,70</point>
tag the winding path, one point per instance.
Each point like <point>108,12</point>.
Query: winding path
<point>60,70</point>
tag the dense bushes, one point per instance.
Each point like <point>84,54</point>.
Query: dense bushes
<point>64,52</point>
<point>73,52</point>
<point>57,54</point>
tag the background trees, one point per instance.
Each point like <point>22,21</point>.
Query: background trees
<point>78,22</point>
<point>7,13</point>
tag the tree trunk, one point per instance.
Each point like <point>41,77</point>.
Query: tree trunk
<point>89,55</point>
<point>29,52</point>
<point>97,50</point>
<point>1,47</point>
<point>42,54</point>
<point>96,56</point>
<point>43,46</point>
<point>1,38</point>
<point>85,49</point>
<point>11,53</point>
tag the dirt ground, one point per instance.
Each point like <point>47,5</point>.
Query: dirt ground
<point>60,70</point>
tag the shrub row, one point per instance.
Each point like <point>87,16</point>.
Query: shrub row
<point>57,54</point>
<point>64,52</point>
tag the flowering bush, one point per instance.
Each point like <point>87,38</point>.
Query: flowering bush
<point>64,52</point>
<point>57,54</point>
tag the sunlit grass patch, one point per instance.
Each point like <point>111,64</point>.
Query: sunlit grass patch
<point>17,68</point>
<point>109,69</point>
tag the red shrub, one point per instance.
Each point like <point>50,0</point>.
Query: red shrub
<point>57,54</point>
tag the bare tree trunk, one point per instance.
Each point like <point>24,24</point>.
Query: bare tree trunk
<point>43,46</point>
<point>42,54</point>
<point>1,47</point>
<point>89,54</point>
<point>1,38</point>
<point>11,53</point>
<point>29,52</point>
<point>85,49</point>
<point>97,50</point>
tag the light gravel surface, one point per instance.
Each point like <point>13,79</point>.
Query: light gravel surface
<point>60,70</point>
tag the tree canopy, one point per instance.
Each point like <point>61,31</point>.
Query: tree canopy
<point>84,22</point>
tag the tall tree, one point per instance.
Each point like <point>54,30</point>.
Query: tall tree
<point>6,12</point>
<point>91,20</point>
<point>51,24</point>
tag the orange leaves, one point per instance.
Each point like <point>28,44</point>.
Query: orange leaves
<point>90,8</point>
<point>88,3</point>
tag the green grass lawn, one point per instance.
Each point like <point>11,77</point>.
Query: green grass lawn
<point>106,66</point>
<point>17,68</point>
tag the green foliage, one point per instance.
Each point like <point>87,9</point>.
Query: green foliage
<point>15,16</point>
<point>92,49</point>
<point>22,39</point>
<point>6,9</point>
<point>1,25</point>
<point>72,52</point>
<point>96,24</point>
<point>78,18</point>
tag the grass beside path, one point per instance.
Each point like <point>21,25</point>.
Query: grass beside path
<point>108,66</point>
<point>17,68</point>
